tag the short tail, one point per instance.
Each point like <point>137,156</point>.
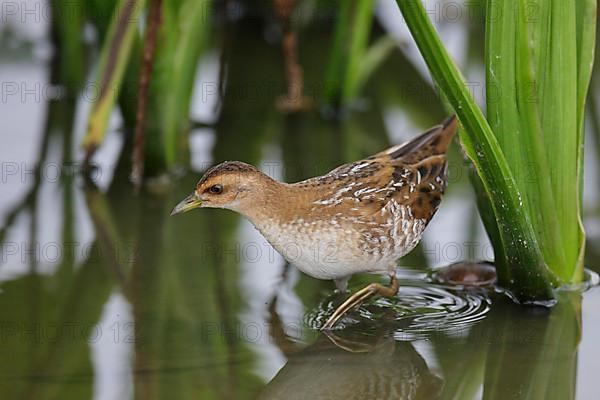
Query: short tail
<point>431,143</point>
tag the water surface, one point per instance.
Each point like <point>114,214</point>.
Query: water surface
<point>104,296</point>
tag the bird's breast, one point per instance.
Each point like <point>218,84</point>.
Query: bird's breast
<point>319,248</point>
<point>341,245</point>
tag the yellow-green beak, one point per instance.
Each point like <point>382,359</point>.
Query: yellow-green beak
<point>187,204</point>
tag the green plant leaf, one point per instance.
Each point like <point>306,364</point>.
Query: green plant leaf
<point>526,275</point>
<point>586,20</point>
<point>193,31</point>
<point>538,49</point>
<point>512,105</point>
<point>114,57</point>
<point>556,70</point>
<point>352,61</point>
<point>335,69</point>
<point>361,29</point>
<point>68,32</point>
<point>372,59</point>
<point>182,37</point>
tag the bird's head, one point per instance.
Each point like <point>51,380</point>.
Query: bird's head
<point>232,185</point>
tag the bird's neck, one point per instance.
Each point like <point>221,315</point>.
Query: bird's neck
<point>274,203</point>
<point>267,201</point>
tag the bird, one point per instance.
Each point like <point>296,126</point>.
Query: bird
<point>386,369</point>
<point>361,217</point>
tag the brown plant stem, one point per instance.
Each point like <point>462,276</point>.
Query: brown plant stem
<point>154,20</point>
<point>293,100</point>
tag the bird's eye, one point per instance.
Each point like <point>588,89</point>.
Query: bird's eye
<point>216,189</point>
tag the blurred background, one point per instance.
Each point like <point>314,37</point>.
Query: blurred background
<point>104,296</point>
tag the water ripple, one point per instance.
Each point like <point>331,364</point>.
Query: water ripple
<point>419,309</point>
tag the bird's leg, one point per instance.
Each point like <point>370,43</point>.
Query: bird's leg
<point>341,284</point>
<point>357,298</point>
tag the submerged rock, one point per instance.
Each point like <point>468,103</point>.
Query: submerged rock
<point>467,274</point>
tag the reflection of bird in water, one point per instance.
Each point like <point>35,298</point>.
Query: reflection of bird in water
<point>328,370</point>
<point>360,217</point>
